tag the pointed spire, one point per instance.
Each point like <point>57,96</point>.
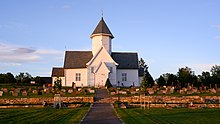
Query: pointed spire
<point>102,28</point>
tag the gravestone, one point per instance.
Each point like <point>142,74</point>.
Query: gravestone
<point>164,91</point>
<point>63,90</point>
<point>122,105</point>
<point>1,93</point>
<point>14,94</point>
<point>218,90</point>
<point>24,93</point>
<point>112,93</point>
<point>213,91</point>
<point>160,92</point>
<point>182,92</point>
<point>70,90</point>
<point>5,90</point>
<point>29,90</point>
<point>79,89</point>
<point>17,90</point>
<point>91,91</point>
<point>189,92</point>
<point>34,92</point>
<point>133,92</point>
<point>151,92</point>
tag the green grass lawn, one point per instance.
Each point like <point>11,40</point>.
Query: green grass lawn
<point>42,115</point>
<point>165,116</point>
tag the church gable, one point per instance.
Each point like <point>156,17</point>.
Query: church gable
<point>101,56</point>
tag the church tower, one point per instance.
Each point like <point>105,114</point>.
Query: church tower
<point>101,36</point>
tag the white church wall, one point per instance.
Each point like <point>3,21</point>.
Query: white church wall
<point>70,75</point>
<point>132,77</point>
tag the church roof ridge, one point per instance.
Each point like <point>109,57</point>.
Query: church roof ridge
<point>102,28</point>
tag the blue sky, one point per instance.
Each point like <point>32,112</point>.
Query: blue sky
<point>167,34</point>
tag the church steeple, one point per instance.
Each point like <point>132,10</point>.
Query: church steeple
<point>101,37</point>
<point>102,29</point>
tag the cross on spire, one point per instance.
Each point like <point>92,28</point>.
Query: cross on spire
<point>102,12</point>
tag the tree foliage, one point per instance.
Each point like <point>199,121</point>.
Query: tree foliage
<point>161,81</point>
<point>58,83</point>
<point>24,78</point>
<point>108,83</point>
<point>7,78</point>
<point>172,80</point>
<point>185,76</point>
<point>148,80</point>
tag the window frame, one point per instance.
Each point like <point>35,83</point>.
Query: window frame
<point>124,76</point>
<point>92,69</point>
<point>78,77</point>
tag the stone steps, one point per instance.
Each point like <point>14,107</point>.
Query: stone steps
<point>104,100</point>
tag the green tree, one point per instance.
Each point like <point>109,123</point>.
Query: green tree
<point>205,78</point>
<point>7,78</point>
<point>161,81</point>
<point>148,80</point>
<point>215,70</point>
<point>58,83</point>
<point>10,78</point>
<point>172,80</point>
<point>185,76</point>
<point>23,78</point>
<point>108,83</point>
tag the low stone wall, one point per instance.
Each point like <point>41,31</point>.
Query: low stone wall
<point>173,101</point>
<point>41,100</point>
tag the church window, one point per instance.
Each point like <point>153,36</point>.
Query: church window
<point>124,76</point>
<point>92,69</point>
<point>78,77</point>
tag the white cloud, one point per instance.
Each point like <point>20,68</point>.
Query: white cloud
<point>199,68</point>
<point>18,54</point>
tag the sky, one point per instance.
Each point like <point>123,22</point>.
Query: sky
<point>167,34</point>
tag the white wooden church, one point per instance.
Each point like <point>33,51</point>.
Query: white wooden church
<point>93,68</point>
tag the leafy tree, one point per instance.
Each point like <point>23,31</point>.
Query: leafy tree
<point>2,78</point>
<point>108,83</point>
<point>172,80</point>
<point>10,78</point>
<point>147,79</point>
<point>185,76</point>
<point>161,81</point>
<point>7,78</point>
<point>215,70</point>
<point>58,83</point>
<point>23,78</point>
<point>205,78</point>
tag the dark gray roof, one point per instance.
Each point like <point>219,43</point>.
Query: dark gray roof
<point>77,59</point>
<point>126,60</point>
<point>57,72</point>
<point>102,28</point>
